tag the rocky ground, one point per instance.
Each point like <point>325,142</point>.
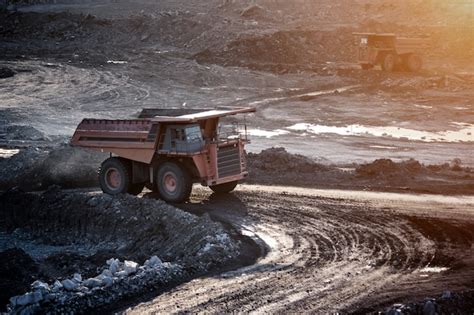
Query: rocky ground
<point>108,241</point>
<point>321,123</point>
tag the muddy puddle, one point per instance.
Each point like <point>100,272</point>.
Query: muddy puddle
<point>465,134</point>
<point>8,153</point>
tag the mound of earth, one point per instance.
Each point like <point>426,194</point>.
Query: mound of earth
<point>283,51</point>
<point>253,11</point>
<point>63,229</point>
<point>448,303</point>
<point>276,166</point>
<point>6,73</point>
<point>20,132</point>
<point>387,168</point>
<point>278,159</point>
<point>36,168</point>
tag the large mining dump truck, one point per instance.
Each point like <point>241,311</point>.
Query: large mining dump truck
<point>167,150</point>
<point>390,52</point>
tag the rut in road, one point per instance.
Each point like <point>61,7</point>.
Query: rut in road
<point>324,254</point>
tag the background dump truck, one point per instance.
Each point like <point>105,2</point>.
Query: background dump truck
<point>167,151</point>
<point>390,52</point>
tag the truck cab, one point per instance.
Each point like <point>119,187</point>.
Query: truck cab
<point>182,138</point>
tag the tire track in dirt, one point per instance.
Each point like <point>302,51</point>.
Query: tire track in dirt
<point>328,252</point>
<point>54,97</point>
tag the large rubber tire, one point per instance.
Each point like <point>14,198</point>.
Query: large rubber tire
<point>173,182</point>
<point>115,176</point>
<point>413,63</point>
<point>224,188</point>
<point>389,62</point>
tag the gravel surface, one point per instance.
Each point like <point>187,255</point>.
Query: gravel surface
<point>334,251</point>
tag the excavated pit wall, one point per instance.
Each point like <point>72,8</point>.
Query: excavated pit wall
<point>92,228</point>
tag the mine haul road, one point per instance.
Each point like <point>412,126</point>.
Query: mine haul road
<point>328,250</point>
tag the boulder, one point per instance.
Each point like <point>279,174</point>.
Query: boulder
<point>153,261</point>
<point>77,277</point>
<point>26,299</point>
<point>70,285</point>
<point>40,286</point>
<point>57,286</point>
<point>93,282</point>
<point>429,308</point>
<point>130,267</point>
<point>114,265</point>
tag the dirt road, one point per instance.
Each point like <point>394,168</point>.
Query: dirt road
<point>329,251</point>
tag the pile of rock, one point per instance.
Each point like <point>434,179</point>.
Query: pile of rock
<point>447,303</point>
<point>117,280</point>
<point>125,226</point>
<point>278,159</point>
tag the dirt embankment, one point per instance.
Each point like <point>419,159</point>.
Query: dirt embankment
<point>51,236</point>
<point>87,40</point>
<point>38,168</point>
<point>446,303</point>
<point>69,167</point>
<point>276,166</point>
<point>260,37</point>
<point>284,51</point>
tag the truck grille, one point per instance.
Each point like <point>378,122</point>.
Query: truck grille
<point>228,161</point>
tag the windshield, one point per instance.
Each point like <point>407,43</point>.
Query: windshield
<point>193,134</point>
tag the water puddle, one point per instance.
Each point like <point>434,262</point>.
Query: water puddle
<point>298,96</point>
<point>8,153</point>
<point>434,269</point>
<point>117,62</point>
<point>465,134</point>
<point>423,106</point>
<point>383,147</point>
<point>266,133</point>
<point>338,90</point>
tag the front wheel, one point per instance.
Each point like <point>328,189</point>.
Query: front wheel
<point>388,63</point>
<point>173,182</point>
<point>115,176</point>
<point>413,63</point>
<point>224,188</point>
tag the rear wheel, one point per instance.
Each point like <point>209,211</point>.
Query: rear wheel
<point>388,62</point>
<point>413,63</point>
<point>173,182</point>
<point>115,176</point>
<point>224,188</point>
